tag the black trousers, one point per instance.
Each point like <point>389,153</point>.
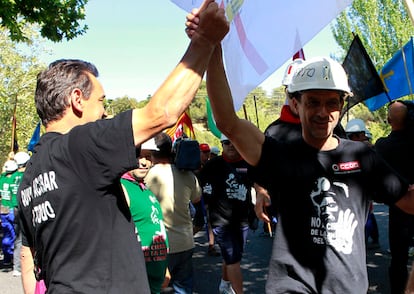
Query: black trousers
<point>401,232</point>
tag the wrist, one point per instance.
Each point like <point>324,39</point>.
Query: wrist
<point>202,41</point>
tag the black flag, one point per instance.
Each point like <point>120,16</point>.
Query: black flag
<point>363,77</point>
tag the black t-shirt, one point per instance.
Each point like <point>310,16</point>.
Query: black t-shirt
<point>226,191</point>
<point>397,150</point>
<point>322,199</point>
<point>284,131</point>
<point>75,215</point>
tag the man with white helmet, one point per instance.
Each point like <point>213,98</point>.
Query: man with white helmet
<point>356,130</point>
<point>309,177</point>
<point>21,158</point>
<point>8,202</point>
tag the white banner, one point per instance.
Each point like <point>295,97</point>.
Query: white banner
<point>264,34</point>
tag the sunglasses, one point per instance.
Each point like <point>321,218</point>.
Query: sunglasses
<point>226,142</point>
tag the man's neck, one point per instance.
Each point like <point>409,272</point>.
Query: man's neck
<point>60,126</point>
<point>327,144</point>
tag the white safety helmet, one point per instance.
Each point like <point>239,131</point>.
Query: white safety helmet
<point>21,158</point>
<point>10,166</point>
<point>321,73</point>
<point>223,138</point>
<point>215,150</point>
<point>368,134</point>
<point>149,145</point>
<point>290,71</point>
<point>356,125</point>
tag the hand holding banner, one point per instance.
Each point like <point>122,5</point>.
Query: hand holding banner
<point>250,54</point>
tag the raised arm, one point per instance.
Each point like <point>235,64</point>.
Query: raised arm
<point>244,135</point>
<point>177,91</point>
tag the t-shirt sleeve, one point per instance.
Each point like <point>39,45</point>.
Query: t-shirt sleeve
<point>25,239</point>
<point>388,185</point>
<point>263,173</point>
<point>105,147</point>
<point>196,192</point>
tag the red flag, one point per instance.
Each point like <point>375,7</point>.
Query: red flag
<point>299,54</point>
<point>183,126</point>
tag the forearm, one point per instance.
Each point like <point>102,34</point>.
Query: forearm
<point>175,94</point>
<point>27,264</point>
<point>245,136</point>
<point>178,90</point>
<point>406,203</point>
<point>219,93</point>
<point>180,87</point>
<point>410,285</point>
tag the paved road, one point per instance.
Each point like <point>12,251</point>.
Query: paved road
<point>255,263</point>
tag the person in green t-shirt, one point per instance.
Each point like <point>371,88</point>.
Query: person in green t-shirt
<point>8,202</point>
<point>21,159</point>
<point>147,215</point>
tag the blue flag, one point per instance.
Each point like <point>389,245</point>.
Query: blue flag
<point>35,138</point>
<point>397,76</point>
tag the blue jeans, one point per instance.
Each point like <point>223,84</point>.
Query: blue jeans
<point>7,244</point>
<point>231,242</point>
<point>180,266</point>
<point>17,242</point>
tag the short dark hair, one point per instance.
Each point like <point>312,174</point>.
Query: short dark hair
<point>55,84</point>
<point>164,144</point>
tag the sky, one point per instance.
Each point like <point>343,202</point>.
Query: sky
<point>136,44</point>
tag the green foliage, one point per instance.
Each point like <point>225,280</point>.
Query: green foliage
<point>18,71</point>
<point>116,106</point>
<point>383,27</point>
<point>58,19</point>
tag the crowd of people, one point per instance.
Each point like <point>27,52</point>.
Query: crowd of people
<point>11,176</point>
<point>101,201</point>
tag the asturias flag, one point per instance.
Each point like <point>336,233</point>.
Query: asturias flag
<point>397,76</point>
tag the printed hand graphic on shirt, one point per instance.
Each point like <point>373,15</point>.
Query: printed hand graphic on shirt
<point>341,237</point>
<point>339,226</point>
<point>235,190</point>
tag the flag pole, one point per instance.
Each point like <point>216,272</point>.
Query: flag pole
<point>245,112</point>
<point>13,133</point>
<point>255,108</point>
<point>407,75</point>
<point>410,7</point>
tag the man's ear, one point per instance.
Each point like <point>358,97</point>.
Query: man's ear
<point>295,104</point>
<point>76,100</point>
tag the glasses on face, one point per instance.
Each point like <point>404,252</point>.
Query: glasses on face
<point>226,142</point>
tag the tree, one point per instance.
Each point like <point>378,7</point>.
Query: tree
<point>118,105</point>
<point>383,27</point>
<point>18,71</point>
<point>58,19</point>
